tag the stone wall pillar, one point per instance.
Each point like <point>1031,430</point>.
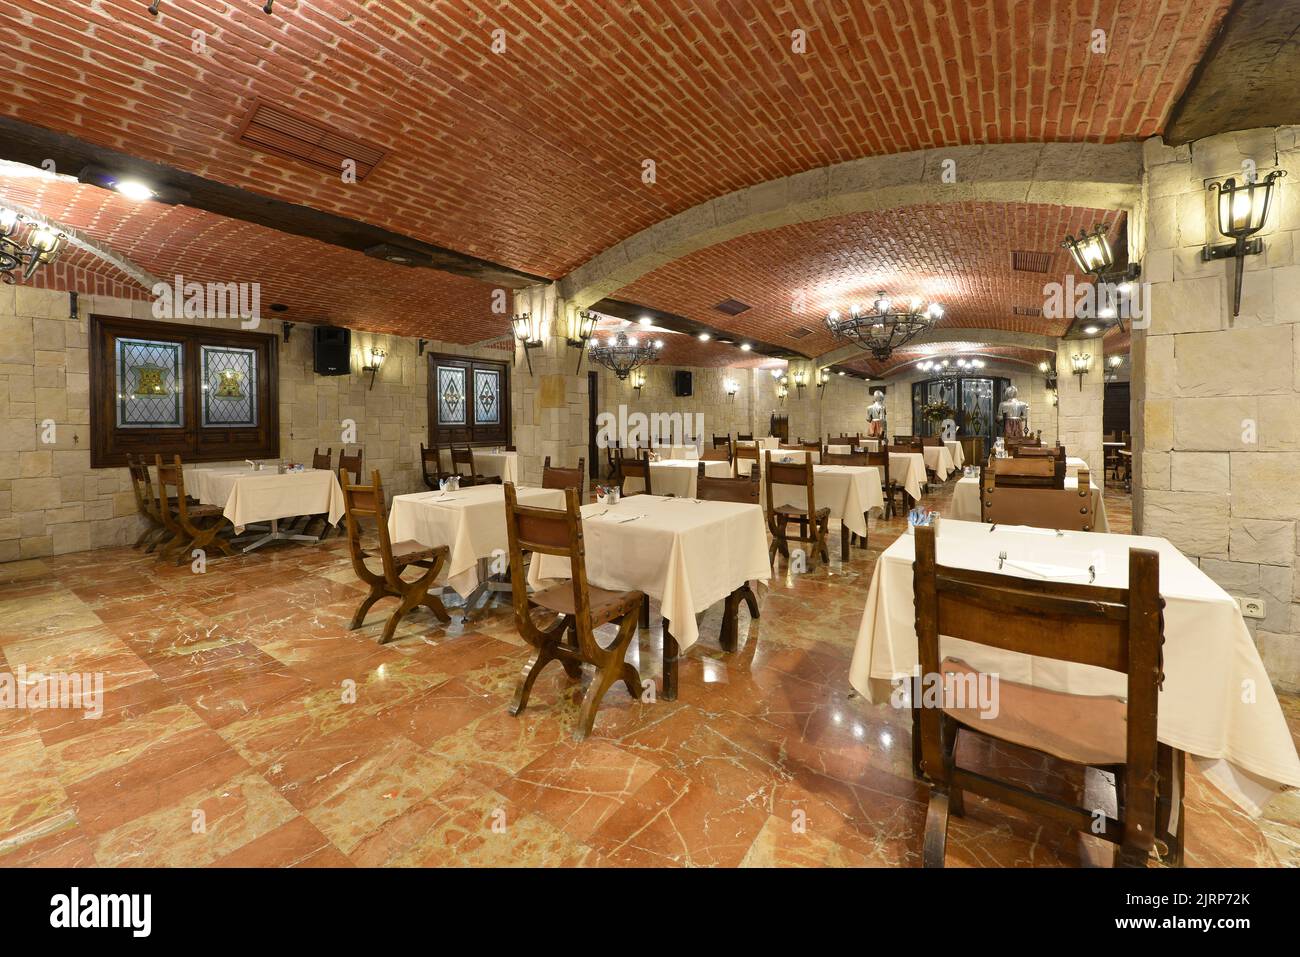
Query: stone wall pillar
<point>1216,396</point>
<point>550,404</point>
<point>1080,402</point>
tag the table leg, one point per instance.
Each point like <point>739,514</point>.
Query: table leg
<point>917,771</point>
<point>275,535</point>
<point>670,656</point>
<point>844,542</point>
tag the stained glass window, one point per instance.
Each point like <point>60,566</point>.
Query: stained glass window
<point>229,386</point>
<point>451,395</point>
<point>487,396</point>
<point>149,384</point>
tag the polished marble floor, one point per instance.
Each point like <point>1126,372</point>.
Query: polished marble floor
<point>244,725</point>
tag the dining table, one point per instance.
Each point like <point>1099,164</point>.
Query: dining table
<point>908,470</point>
<point>684,553</point>
<point>849,491</point>
<point>676,476</point>
<point>966,501</point>
<point>1217,703</point>
<point>490,463</point>
<point>247,496</point>
<point>939,460</point>
<point>471,522</point>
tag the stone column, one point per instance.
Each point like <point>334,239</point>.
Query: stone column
<point>1217,395</point>
<point>1080,403</point>
<point>550,404</point>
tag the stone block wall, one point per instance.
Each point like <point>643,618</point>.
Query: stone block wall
<point>52,501</point>
<point>1217,398</point>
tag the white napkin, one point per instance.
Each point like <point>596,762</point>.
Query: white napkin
<point>1046,570</point>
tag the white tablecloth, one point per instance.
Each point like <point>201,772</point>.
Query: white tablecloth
<point>686,555</point>
<point>955,450</point>
<point>939,459</point>
<point>677,476</point>
<point>966,501</point>
<point>1209,657</point>
<point>678,451</point>
<point>839,449</point>
<point>246,496</point>
<point>847,490</point>
<point>504,465</point>
<point>908,469</point>
<point>1073,464</point>
<point>470,521</point>
<point>778,455</point>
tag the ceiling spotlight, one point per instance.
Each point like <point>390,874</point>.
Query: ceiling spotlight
<point>644,320</point>
<point>1090,330</point>
<point>133,189</point>
<point>745,347</point>
<point>704,337</point>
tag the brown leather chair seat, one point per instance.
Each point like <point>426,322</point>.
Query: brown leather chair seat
<point>605,605</point>
<point>1083,729</point>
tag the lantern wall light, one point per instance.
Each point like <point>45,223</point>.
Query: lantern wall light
<point>1093,256</point>
<point>731,387</point>
<point>1080,363</point>
<point>377,357</point>
<point>26,245</point>
<point>579,325</point>
<point>1241,211</point>
<point>637,379</point>
<point>800,380</point>
<point>530,332</point>
<point>823,376</point>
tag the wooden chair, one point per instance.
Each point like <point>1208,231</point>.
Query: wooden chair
<point>190,526</point>
<point>431,467</point>
<point>634,468</point>
<point>1027,471</point>
<point>612,459</point>
<point>719,453</point>
<point>814,523</point>
<point>722,441</point>
<point>464,456</point>
<point>351,464</point>
<point>888,486</point>
<point>324,462</point>
<point>1068,509</point>
<point>1014,440</point>
<point>556,477</point>
<point>1038,451</point>
<point>744,437</point>
<point>745,491</point>
<point>745,453</point>
<point>146,504</point>
<point>931,441</point>
<point>581,608</point>
<point>367,501</point>
<point>1120,629</point>
<point>907,442</point>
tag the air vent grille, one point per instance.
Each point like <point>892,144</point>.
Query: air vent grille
<point>1027,310</point>
<point>732,307</point>
<point>1026,261</point>
<point>273,129</point>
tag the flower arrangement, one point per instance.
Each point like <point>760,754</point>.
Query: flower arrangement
<point>938,411</point>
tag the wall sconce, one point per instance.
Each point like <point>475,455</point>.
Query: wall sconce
<point>1048,369</point>
<point>782,388</point>
<point>637,379</point>
<point>1093,256</point>
<point>420,344</point>
<point>578,328</point>
<point>731,387</point>
<point>1080,363</point>
<point>530,332</point>
<point>800,380</point>
<point>376,361</point>
<point>1056,399</point>
<point>1242,212</point>
<point>823,376</point>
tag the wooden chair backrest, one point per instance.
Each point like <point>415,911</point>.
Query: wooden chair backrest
<point>1038,451</point>
<point>881,461</point>
<point>845,458</point>
<point>463,455</point>
<point>719,441</point>
<point>1069,509</point>
<point>549,531</point>
<point>1120,629</point>
<point>556,477</point>
<point>430,465</point>
<point>1028,471</point>
<point>744,437</point>
<point>788,473</point>
<point>635,468</point>
<point>141,486</point>
<point>326,461</point>
<point>351,463</point>
<point>367,502</point>
<point>744,489</point>
<point>931,441</point>
<point>171,490</point>
<point>908,440</point>
<point>743,453</point>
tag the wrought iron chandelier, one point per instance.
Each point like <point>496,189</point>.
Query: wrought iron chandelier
<point>624,354</point>
<point>951,369</point>
<point>885,326</point>
<point>25,245</point>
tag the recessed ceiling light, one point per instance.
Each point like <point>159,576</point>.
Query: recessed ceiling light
<point>1090,331</point>
<point>644,320</point>
<point>704,337</point>
<point>133,189</point>
<point>745,347</point>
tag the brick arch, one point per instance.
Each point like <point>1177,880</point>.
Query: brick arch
<point>1099,176</point>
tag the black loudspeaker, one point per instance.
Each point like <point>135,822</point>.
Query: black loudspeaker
<point>332,350</point>
<point>682,382</point>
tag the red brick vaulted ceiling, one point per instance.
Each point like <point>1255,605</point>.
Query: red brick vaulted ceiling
<point>532,157</point>
<point>958,254</point>
<point>320,283</point>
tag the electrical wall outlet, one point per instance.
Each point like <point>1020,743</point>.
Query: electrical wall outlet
<point>1251,607</point>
